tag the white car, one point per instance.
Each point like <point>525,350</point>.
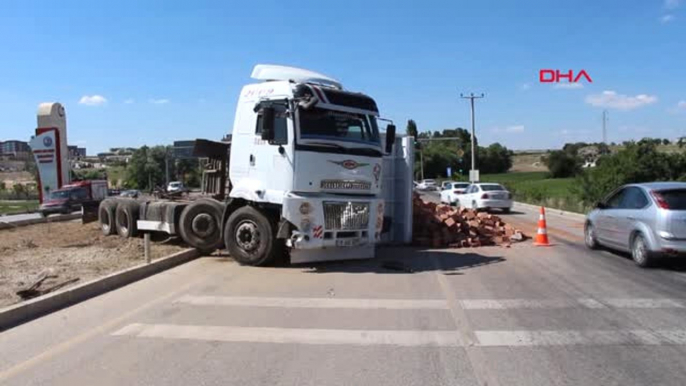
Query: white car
<point>427,185</point>
<point>486,196</point>
<point>452,190</point>
<point>175,186</point>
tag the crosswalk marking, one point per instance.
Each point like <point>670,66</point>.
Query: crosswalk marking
<point>505,304</point>
<point>414,338</point>
<point>396,304</point>
<point>580,337</point>
<point>294,335</point>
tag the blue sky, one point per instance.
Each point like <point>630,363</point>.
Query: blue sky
<point>150,72</point>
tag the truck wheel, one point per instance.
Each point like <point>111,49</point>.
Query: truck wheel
<point>249,237</point>
<point>106,214</point>
<point>126,217</point>
<point>200,225</point>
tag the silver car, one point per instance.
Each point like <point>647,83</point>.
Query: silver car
<point>648,220</point>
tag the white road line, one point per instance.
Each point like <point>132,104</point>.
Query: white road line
<point>506,304</point>
<point>294,335</point>
<point>580,337</point>
<point>396,304</point>
<point>643,303</point>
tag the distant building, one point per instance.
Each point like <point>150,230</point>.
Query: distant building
<point>76,152</point>
<point>184,149</point>
<point>117,154</point>
<point>14,149</point>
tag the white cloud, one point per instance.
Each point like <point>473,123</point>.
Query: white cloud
<point>680,107</point>
<point>128,101</point>
<point>525,86</point>
<point>612,100</point>
<point>666,19</point>
<point>672,4</point>
<point>92,100</point>
<point>576,85</point>
<point>159,101</point>
<point>514,129</point>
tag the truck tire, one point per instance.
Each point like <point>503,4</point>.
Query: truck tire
<point>249,237</point>
<point>126,217</point>
<point>200,225</point>
<point>106,214</point>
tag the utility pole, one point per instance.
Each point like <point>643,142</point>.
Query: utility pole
<point>473,177</point>
<point>421,161</point>
<point>605,119</point>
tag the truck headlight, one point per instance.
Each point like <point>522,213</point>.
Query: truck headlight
<point>305,208</point>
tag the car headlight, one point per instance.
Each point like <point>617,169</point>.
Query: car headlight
<point>665,235</point>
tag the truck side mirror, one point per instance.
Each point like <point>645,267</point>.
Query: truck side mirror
<point>268,123</point>
<point>390,137</point>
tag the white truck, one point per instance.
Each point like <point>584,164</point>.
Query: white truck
<point>304,173</point>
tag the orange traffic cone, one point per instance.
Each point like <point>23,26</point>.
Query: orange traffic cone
<point>542,234</point>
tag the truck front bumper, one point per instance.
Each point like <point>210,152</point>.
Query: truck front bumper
<point>333,227</point>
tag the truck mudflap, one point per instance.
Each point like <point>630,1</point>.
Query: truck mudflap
<point>333,227</point>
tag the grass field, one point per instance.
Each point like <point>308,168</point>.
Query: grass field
<point>535,188</point>
<point>14,207</point>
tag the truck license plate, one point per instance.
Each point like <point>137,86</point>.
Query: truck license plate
<point>348,242</point>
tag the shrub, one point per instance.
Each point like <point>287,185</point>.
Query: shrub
<point>563,164</point>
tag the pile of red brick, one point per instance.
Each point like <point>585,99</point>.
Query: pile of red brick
<point>440,226</point>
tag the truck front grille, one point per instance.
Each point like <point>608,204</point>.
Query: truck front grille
<point>340,215</point>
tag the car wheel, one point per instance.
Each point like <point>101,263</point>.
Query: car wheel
<point>506,210</point>
<point>589,236</point>
<point>640,253</point>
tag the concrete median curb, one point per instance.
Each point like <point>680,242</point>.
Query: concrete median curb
<point>26,311</point>
<point>553,210</point>
<point>21,223</point>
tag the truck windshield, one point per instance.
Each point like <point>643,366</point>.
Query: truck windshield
<point>76,193</point>
<point>59,195</point>
<point>325,124</point>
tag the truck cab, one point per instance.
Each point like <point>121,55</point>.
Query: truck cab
<point>71,197</point>
<point>311,151</point>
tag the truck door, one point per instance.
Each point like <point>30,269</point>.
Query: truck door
<point>272,163</point>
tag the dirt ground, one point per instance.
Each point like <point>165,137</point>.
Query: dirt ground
<point>67,250</point>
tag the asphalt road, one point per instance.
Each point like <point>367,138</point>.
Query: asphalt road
<point>559,315</point>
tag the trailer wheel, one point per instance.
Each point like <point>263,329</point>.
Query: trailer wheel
<point>125,218</point>
<point>200,225</point>
<point>249,237</point>
<point>106,214</point>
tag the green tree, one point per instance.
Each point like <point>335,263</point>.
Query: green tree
<point>3,185</point>
<point>638,162</point>
<point>412,128</point>
<point>666,141</point>
<point>147,168</point>
<point>562,164</point>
